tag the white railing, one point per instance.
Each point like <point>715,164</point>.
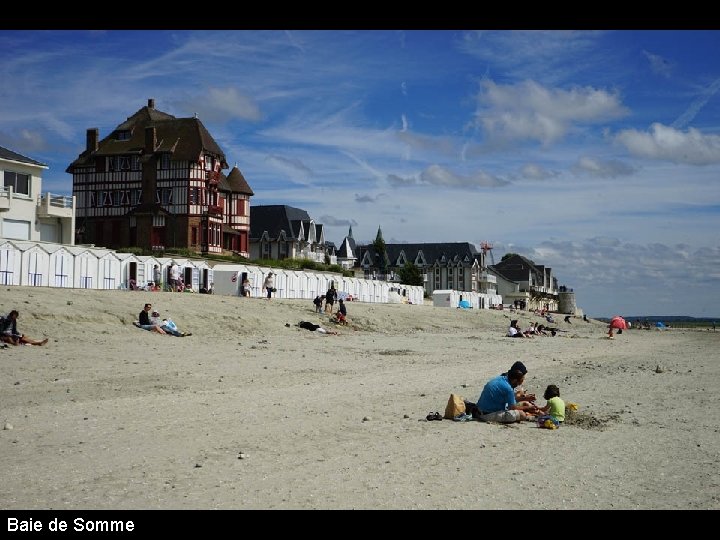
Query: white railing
<point>58,201</point>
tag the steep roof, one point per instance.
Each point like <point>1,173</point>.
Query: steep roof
<point>235,182</point>
<point>451,251</point>
<point>275,218</point>
<point>184,138</point>
<point>14,156</point>
<point>517,268</point>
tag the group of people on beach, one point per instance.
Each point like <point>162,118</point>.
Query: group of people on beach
<point>535,329</point>
<point>503,399</point>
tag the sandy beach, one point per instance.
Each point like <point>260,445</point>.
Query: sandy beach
<point>248,413</point>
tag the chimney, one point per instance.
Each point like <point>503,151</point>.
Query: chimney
<point>91,140</point>
<point>151,103</point>
<point>150,140</point>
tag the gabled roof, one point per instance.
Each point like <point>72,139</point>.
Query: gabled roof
<point>184,138</point>
<point>347,249</point>
<point>235,182</point>
<point>450,251</point>
<point>273,218</point>
<point>14,156</point>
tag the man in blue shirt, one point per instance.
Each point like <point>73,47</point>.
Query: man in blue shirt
<point>497,401</point>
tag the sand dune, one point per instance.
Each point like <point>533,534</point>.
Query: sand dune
<point>248,413</point>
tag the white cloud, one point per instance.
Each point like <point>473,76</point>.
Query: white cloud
<point>669,144</point>
<point>530,111</point>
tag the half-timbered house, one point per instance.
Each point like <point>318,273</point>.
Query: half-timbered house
<point>156,182</point>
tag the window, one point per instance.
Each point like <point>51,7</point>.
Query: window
<point>165,161</point>
<point>116,198</point>
<point>93,199</point>
<point>122,135</point>
<point>105,198</point>
<point>124,198</point>
<point>136,197</point>
<point>266,250</point>
<point>20,183</point>
<point>208,163</point>
<point>194,236</point>
<point>194,196</point>
<point>124,163</point>
<point>163,196</point>
<point>135,163</point>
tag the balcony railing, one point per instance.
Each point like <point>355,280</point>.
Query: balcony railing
<point>50,205</point>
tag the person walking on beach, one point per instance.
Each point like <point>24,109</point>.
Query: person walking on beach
<point>174,277</point>
<point>330,297</point>
<point>156,278</point>
<point>9,332</point>
<point>269,285</point>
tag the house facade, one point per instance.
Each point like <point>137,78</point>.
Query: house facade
<point>522,279</point>
<point>156,182</point>
<point>285,232</point>
<point>25,212</point>
<point>445,266</point>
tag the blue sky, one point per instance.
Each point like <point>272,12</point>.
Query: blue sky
<point>596,153</point>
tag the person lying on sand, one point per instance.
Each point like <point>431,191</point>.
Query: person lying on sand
<point>314,328</point>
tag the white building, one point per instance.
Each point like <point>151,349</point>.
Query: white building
<point>26,214</point>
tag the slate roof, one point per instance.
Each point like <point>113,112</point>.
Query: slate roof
<point>184,138</point>
<point>274,218</point>
<point>235,182</point>
<point>14,156</point>
<point>451,251</point>
<point>516,268</point>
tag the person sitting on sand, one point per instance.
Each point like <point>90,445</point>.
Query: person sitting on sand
<point>167,325</point>
<point>514,330</point>
<point>520,393</point>
<point>497,401</point>
<point>555,407</point>
<point>567,319</point>
<point>540,330</point>
<point>145,323</point>
<point>341,314</point>
<point>315,328</point>
<point>9,332</point>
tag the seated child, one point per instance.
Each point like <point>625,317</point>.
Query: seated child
<point>554,410</point>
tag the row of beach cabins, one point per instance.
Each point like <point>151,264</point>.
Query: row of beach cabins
<point>44,264</point>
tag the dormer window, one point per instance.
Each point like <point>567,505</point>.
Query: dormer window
<point>122,135</point>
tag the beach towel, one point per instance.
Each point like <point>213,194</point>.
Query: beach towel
<point>455,406</point>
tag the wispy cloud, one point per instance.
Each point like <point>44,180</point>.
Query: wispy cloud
<point>696,106</point>
<point>602,168</point>
<point>658,64</point>
<point>221,105</point>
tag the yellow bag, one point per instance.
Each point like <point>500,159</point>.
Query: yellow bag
<point>455,406</point>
